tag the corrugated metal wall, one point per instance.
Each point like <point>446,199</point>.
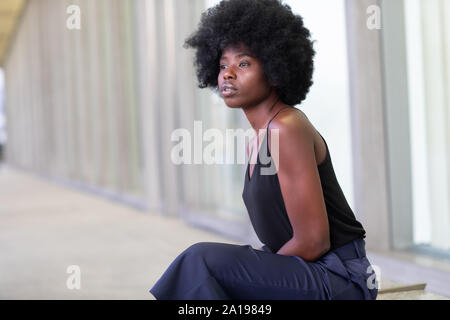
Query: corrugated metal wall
<point>96,107</point>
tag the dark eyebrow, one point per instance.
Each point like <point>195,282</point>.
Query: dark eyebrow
<point>243,54</point>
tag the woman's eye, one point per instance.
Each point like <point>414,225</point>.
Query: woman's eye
<point>221,67</point>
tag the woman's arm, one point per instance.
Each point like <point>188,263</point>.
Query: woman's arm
<point>300,186</point>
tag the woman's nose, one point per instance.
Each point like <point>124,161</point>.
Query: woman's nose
<point>229,74</point>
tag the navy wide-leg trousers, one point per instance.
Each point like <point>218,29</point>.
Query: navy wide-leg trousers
<point>220,271</point>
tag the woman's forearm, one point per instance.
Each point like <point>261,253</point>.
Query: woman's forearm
<point>308,252</point>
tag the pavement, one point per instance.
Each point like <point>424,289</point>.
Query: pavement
<point>52,236</point>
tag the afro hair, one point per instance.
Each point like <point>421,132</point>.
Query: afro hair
<point>273,33</point>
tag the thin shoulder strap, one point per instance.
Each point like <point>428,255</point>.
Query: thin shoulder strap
<point>267,129</point>
<point>276,115</point>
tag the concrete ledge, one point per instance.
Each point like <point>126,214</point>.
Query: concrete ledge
<point>409,269</point>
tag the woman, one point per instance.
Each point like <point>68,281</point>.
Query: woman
<point>259,57</point>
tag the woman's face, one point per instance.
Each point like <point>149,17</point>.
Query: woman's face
<point>242,82</point>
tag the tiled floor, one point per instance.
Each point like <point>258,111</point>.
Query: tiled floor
<point>121,252</point>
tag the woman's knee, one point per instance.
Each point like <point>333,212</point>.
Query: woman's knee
<point>215,255</point>
<point>199,248</point>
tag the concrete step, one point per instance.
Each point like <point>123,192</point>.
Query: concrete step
<point>391,290</point>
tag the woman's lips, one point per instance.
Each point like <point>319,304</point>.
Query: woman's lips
<point>228,92</point>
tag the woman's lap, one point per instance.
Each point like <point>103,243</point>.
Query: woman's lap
<point>246,273</point>
<point>212,270</point>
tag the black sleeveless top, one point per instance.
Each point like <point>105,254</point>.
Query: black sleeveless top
<point>263,198</point>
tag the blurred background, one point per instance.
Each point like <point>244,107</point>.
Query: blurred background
<point>86,117</point>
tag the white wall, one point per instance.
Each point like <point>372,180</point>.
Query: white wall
<point>328,103</point>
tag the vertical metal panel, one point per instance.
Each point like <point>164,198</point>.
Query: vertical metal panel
<point>91,24</point>
<point>397,122</point>
<point>146,55</point>
<point>189,101</point>
<point>166,107</point>
<point>111,142</point>
<point>134,185</point>
<point>85,92</point>
<point>368,123</point>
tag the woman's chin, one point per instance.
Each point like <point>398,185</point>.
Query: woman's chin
<point>231,104</point>
<point>233,107</point>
